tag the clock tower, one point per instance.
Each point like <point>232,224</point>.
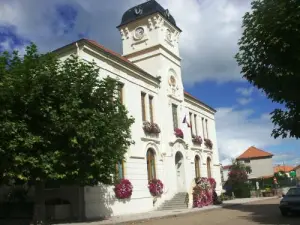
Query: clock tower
<point>150,39</point>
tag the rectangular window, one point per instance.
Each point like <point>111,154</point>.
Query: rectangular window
<point>195,123</point>
<point>203,128</point>
<point>175,116</point>
<point>206,128</point>
<point>151,108</point>
<point>120,170</point>
<point>191,127</point>
<point>120,92</point>
<point>143,103</point>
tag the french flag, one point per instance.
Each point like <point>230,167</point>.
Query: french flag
<point>185,120</point>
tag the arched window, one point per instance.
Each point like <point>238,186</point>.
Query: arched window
<point>208,164</point>
<point>197,166</point>
<point>151,164</point>
<point>120,170</point>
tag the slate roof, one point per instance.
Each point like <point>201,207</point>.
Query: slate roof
<point>146,9</point>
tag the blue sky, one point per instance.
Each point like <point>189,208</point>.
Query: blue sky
<point>207,45</point>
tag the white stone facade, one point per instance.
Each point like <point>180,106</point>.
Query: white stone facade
<point>151,64</point>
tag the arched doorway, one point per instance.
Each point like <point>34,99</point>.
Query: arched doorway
<point>151,167</point>
<point>180,175</point>
<point>208,164</point>
<point>197,166</point>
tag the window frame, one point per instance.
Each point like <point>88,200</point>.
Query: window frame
<point>175,115</point>
<point>151,164</point>
<point>150,99</point>
<point>143,106</point>
<point>118,172</point>
<point>197,166</point>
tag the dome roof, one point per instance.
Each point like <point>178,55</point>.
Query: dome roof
<point>146,9</point>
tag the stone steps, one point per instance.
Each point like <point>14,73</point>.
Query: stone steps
<point>177,202</point>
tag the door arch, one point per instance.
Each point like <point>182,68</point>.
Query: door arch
<point>180,172</point>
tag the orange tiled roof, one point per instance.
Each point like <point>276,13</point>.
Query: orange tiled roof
<point>285,169</point>
<point>253,152</point>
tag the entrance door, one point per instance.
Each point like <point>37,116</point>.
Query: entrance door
<point>179,164</point>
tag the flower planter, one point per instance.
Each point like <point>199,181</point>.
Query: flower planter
<point>151,128</point>
<point>123,189</point>
<point>178,133</point>
<point>208,143</point>
<point>197,140</point>
<point>156,187</point>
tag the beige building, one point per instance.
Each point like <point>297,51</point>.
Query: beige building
<point>260,161</point>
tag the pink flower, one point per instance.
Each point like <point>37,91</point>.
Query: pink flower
<point>123,189</point>
<point>203,192</point>
<point>155,187</point>
<point>178,133</point>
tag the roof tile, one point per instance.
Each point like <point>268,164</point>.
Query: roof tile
<point>253,153</point>
<point>283,168</point>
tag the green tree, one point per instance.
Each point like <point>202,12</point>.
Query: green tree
<point>238,177</point>
<point>270,60</point>
<point>58,121</point>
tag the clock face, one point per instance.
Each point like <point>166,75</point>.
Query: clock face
<point>139,33</point>
<point>172,81</point>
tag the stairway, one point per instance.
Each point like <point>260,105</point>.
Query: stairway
<point>177,202</point>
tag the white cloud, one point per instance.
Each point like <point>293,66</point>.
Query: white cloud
<point>208,42</point>
<point>5,45</point>
<point>237,130</point>
<point>245,91</point>
<point>244,101</point>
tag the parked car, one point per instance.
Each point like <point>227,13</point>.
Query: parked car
<point>290,203</point>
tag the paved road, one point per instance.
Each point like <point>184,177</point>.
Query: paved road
<point>262,212</point>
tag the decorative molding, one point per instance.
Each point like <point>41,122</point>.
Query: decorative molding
<point>174,98</point>
<point>181,141</point>
<point>150,24</point>
<point>137,157</point>
<point>158,20</point>
<point>208,150</point>
<point>169,42</point>
<point>176,36</point>
<point>127,32</point>
<point>150,139</point>
<point>197,149</point>
<point>123,36</point>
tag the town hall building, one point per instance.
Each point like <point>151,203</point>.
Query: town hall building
<point>149,69</point>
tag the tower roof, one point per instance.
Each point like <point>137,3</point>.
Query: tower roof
<point>253,152</point>
<point>146,9</point>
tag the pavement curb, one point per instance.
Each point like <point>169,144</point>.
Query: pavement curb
<point>133,221</point>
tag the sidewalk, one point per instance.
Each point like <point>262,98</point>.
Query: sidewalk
<point>160,214</point>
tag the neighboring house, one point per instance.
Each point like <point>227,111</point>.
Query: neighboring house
<point>297,170</point>
<point>285,169</point>
<point>225,172</point>
<point>260,161</point>
<point>152,90</point>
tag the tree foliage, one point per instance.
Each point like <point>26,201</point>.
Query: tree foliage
<point>270,60</point>
<point>238,173</point>
<point>58,120</point>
